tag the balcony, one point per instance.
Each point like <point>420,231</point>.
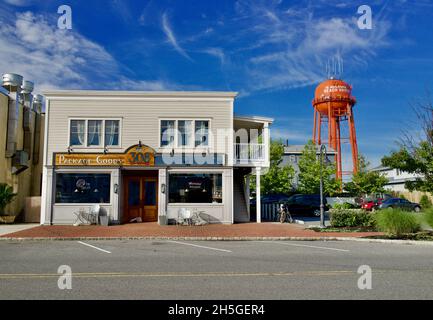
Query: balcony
<point>249,153</point>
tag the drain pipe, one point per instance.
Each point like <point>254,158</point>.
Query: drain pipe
<point>37,108</point>
<point>28,116</point>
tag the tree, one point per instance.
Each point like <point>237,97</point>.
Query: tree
<point>416,153</point>
<point>309,173</point>
<point>278,179</point>
<point>365,182</point>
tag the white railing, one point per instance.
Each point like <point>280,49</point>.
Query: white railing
<point>249,152</point>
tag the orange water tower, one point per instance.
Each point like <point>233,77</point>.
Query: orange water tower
<point>333,105</point>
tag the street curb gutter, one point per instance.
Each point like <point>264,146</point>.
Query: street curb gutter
<point>406,242</point>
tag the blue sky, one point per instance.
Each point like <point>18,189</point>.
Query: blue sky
<point>272,52</point>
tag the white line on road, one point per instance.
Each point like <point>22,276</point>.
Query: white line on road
<point>89,245</point>
<point>195,245</point>
<point>307,246</point>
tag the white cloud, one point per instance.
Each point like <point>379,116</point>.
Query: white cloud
<point>291,47</point>
<point>19,3</point>
<point>216,52</point>
<point>171,37</point>
<point>33,46</point>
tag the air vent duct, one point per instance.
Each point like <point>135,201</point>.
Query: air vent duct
<point>20,161</point>
<point>12,82</point>
<point>38,100</point>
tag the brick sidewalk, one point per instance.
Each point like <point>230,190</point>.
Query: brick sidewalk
<point>145,230</point>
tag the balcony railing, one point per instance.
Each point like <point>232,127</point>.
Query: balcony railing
<point>246,153</point>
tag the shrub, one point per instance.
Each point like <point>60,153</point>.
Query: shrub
<point>351,218</point>
<point>425,202</point>
<point>6,196</point>
<point>345,205</point>
<point>428,217</point>
<point>397,222</point>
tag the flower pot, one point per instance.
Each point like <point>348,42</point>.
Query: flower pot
<point>103,220</point>
<point>7,219</point>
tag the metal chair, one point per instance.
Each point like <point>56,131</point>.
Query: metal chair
<point>86,218</point>
<point>184,217</point>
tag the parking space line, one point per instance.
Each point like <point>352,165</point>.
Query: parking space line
<point>89,245</point>
<point>195,245</point>
<point>306,246</point>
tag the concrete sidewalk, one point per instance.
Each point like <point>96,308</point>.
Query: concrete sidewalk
<point>12,228</point>
<point>242,231</point>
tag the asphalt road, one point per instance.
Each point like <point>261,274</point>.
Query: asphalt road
<point>214,270</point>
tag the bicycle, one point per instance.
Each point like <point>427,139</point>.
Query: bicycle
<point>284,214</point>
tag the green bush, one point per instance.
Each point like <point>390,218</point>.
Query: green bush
<point>428,217</point>
<point>425,202</point>
<point>6,196</point>
<point>397,222</point>
<point>351,218</point>
<point>345,205</point>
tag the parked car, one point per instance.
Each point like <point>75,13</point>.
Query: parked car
<point>305,204</point>
<point>271,198</point>
<point>400,204</point>
<point>370,205</point>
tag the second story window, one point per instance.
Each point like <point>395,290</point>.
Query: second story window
<point>184,133</point>
<point>112,132</point>
<point>94,133</point>
<point>202,133</point>
<point>77,133</point>
<point>167,133</point>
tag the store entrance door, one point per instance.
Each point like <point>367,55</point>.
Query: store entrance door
<point>140,197</point>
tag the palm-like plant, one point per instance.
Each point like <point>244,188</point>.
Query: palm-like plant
<point>6,196</point>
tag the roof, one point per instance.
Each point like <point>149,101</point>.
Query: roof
<point>381,168</point>
<point>138,94</point>
<point>300,149</point>
<point>252,118</point>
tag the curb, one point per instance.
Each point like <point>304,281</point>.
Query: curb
<point>405,242</point>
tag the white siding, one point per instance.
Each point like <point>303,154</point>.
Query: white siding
<point>140,118</point>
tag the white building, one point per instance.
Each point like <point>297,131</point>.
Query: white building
<point>150,154</point>
<point>396,178</point>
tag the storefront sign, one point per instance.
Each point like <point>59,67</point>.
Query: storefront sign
<point>135,156</point>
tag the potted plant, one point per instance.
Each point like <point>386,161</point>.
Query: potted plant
<point>6,197</point>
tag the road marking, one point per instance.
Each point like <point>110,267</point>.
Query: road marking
<point>89,245</point>
<point>307,246</point>
<point>195,245</point>
<point>179,274</point>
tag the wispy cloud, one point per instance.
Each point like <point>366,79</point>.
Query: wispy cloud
<point>19,3</point>
<point>216,52</point>
<point>171,37</point>
<point>33,46</point>
<point>292,46</point>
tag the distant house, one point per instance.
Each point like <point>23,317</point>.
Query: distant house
<point>396,178</point>
<point>292,155</point>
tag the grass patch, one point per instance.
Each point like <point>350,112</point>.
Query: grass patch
<point>419,236</point>
<point>343,229</point>
<point>397,222</point>
<point>428,217</point>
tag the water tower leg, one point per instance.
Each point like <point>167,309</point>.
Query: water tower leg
<point>353,141</point>
<point>320,130</point>
<point>315,126</point>
<point>329,124</point>
<point>339,156</point>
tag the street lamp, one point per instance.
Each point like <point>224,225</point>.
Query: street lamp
<point>322,207</point>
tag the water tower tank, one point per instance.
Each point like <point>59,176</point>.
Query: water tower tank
<point>335,94</point>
